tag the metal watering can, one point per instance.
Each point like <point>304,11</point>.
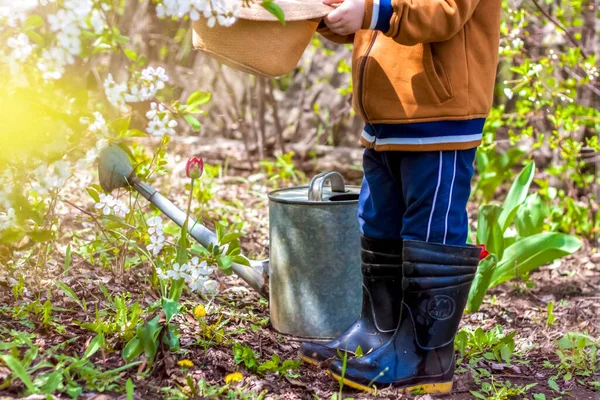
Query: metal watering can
<point>315,275</point>
<point>313,278</point>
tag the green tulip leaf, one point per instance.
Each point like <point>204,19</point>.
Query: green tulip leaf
<point>533,252</point>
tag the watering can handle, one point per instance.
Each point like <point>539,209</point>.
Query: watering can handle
<point>315,188</point>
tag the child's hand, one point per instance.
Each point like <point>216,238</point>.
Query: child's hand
<point>347,18</point>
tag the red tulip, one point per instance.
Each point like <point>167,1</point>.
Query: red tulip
<point>194,168</point>
<point>484,253</point>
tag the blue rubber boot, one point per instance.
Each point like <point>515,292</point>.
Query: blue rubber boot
<point>420,354</point>
<point>382,280</point>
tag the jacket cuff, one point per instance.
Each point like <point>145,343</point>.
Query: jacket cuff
<point>371,9</point>
<point>378,14</point>
<point>385,12</point>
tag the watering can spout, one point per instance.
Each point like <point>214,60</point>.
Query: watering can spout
<point>115,171</point>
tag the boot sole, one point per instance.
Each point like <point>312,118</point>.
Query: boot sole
<point>424,388</point>
<point>308,360</point>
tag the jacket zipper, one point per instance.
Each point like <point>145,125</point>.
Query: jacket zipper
<point>361,75</point>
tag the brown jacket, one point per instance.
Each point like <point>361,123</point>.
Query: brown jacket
<point>437,61</point>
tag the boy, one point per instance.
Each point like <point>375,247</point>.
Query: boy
<point>423,73</point>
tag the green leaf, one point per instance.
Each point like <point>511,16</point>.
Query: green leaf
<point>359,352</point>
<point>460,342</point>
<point>171,338</point>
<point>34,21</point>
<point>36,38</point>
<point>182,245</point>
<point>132,55</point>
<point>553,385</point>
<point>148,335</point>
<point>539,396</point>
<point>47,312</point>
<point>571,340</point>
<point>54,381</point>
<point>93,194</point>
<point>220,230</point>
<point>478,395</point>
<point>70,294</point>
<point>134,133</point>
<point>230,237</point>
<point>19,371</point>
<point>530,216</point>
<point>121,125</point>
<point>506,352</point>
<point>270,366</point>
<point>550,311</point>
<point>41,236</point>
<point>244,354</point>
<point>67,263</point>
<point>198,99</point>
<point>132,349</point>
<point>481,282</point>
<point>194,123</point>
<point>516,195</point>
<point>129,387</point>
<point>274,9</point>
<point>533,252</point>
<point>95,344</point>
<point>225,262</point>
<point>489,231</point>
<point>170,307</point>
<point>241,260</point>
<point>8,346</point>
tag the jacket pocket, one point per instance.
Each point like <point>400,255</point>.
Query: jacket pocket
<point>440,82</point>
<point>399,82</point>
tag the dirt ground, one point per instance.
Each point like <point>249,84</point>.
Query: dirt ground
<point>571,284</point>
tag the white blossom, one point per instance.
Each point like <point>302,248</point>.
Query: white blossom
<point>121,209</point>
<point>115,92</point>
<point>91,155</point>
<point>161,274</point>
<point>517,43</point>
<point>81,8</point>
<point>97,126</point>
<point>51,177</point>
<point>53,61</point>
<point>155,230</point>
<point>161,126</point>
<point>155,225</point>
<point>211,286</point>
<point>202,267</point>
<point>68,24</point>
<point>7,219</point>
<point>21,47</point>
<point>154,110</point>
<point>14,13</point>
<point>178,272</point>
<point>156,244</point>
<point>97,22</point>
<point>105,204</point>
<point>151,80</point>
<point>108,204</point>
<point>6,188</point>
<point>221,11</point>
<point>198,278</point>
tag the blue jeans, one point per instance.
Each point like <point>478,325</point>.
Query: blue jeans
<point>416,195</point>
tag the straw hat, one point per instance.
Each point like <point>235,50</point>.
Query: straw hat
<point>257,42</point>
